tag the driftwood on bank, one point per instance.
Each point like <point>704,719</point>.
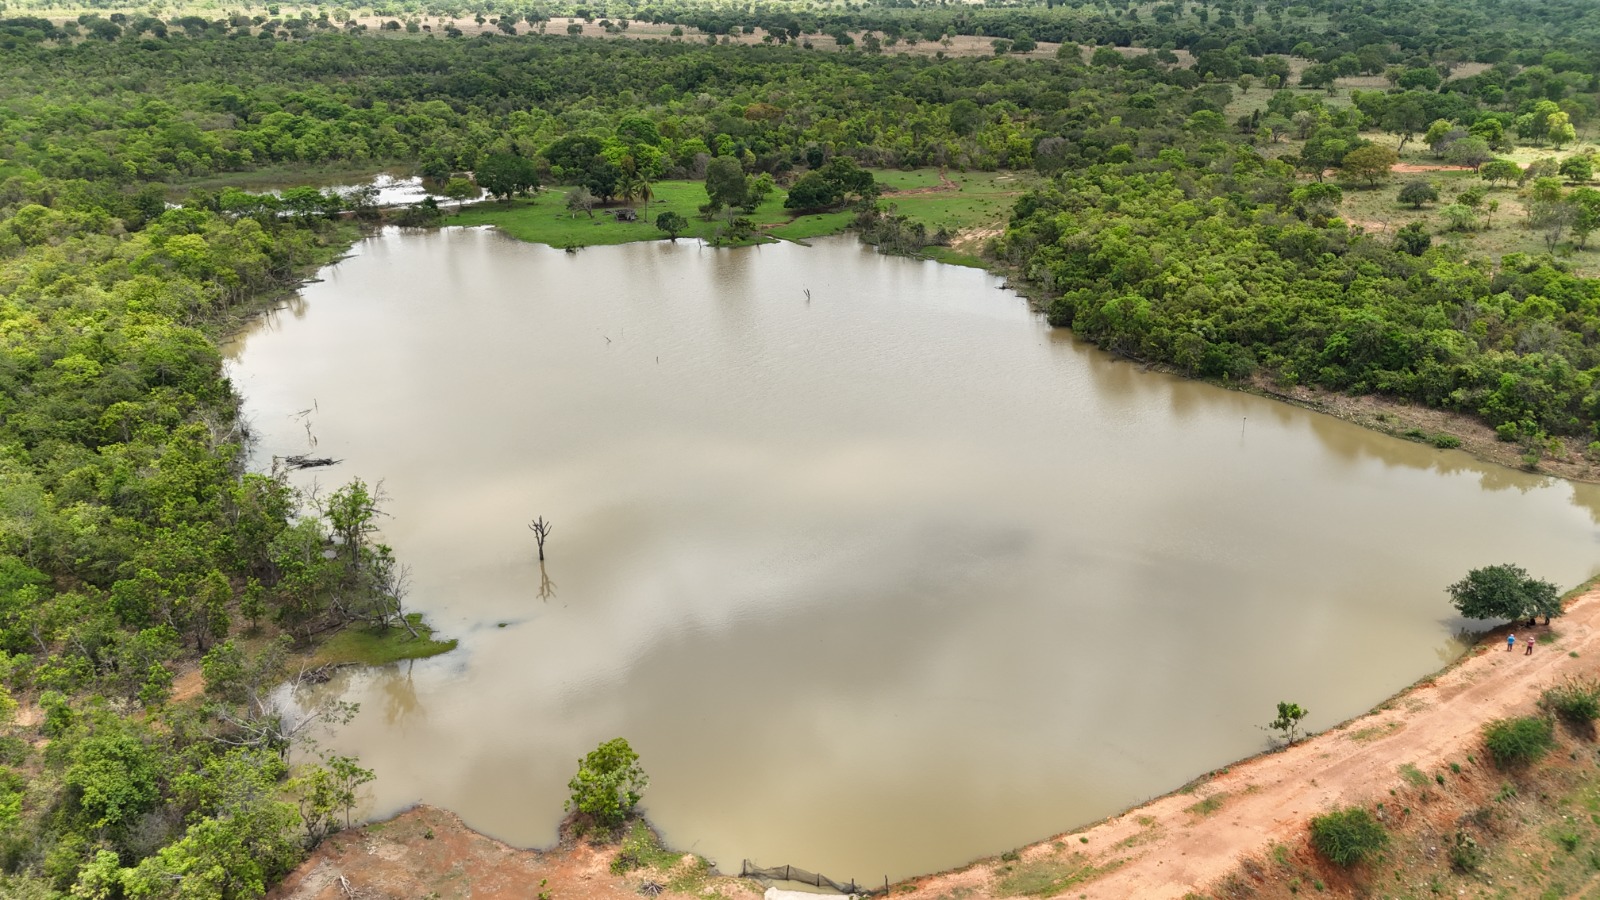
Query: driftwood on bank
<point>309,462</point>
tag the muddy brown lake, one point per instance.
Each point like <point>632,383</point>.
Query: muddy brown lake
<point>877,571</point>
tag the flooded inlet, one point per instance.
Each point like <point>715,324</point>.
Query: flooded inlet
<point>876,571</point>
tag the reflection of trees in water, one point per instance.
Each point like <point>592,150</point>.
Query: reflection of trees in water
<point>1457,643</point>
<point>399,695</point>
<point>1499,478</point>
<point>295,304</point>
<point>547,588</point>
<point>1587,496</point>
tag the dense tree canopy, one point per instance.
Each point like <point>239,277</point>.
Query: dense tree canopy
<point>1504,592</point>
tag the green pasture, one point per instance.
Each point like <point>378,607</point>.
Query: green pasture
<point>979,200</point>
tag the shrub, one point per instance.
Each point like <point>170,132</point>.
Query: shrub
<point>1418,192</point>
<point>1576,700</point>
<point>1287,723</point>
<point>608,784</point>
<point>1465,854</point>
<point>1348,836</point>
<point>1516,742</point>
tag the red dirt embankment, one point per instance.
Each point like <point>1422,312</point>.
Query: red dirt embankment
<point>428,852</point>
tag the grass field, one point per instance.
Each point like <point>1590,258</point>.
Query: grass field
<point>1503,230</point>
<point>544,218</point>
<point>973,201</point>
<point>981,200</point>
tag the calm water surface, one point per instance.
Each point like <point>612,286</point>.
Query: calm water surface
<point>876,581</point>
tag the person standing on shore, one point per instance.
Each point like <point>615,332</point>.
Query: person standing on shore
<point>1529,651</point>
<point>1511,642</point>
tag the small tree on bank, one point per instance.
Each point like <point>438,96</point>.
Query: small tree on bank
<point>1287,724</point>
<point>672,223</point>
<point>608,785</point>
<point>461,190</point>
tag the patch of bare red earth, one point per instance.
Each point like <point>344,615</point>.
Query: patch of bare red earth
<point>428,852</point>
<point>1417,168</point>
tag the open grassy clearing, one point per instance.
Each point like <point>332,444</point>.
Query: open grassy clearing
<point>1502,221</point>
<point>545,219</point>
<point>979,200</point>
<point>906,179</point>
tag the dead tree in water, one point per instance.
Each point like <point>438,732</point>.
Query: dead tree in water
<point>541,530</point>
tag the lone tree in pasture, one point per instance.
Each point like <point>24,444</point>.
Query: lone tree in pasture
<point>1471,152</point>
<point>1497,170</point>
<point>1418,192</point>
<point>1505,592</point>
<point>1577,168</point>
<point>1370,163</point>
<point>579,199</point>
<point>672,223</point>
<point>541,530</point>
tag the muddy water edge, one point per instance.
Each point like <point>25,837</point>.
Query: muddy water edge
<point>877,571</point>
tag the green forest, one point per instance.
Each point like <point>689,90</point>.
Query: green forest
<point>1210,186</point>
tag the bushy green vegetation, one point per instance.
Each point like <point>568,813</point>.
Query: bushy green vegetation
<point>1287,723</point>
<point>1348,836</point>
<point>132,542</point>
<point>1505,592</point>
<point>1518,741</point>
<point>134,546</point>
<point>1575,701</point>
<point>608,785</point>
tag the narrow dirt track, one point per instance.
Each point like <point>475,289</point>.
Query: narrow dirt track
<point>1161,850</point>
<point>1415,168</point>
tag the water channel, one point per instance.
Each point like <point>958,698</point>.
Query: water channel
<point>877,572</point>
